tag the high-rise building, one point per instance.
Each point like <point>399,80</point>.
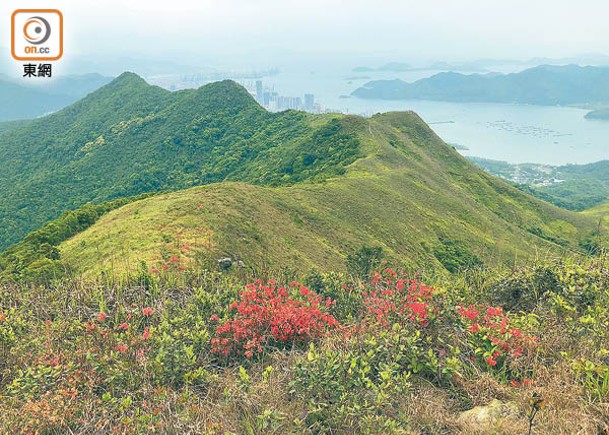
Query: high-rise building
<point>297,103</point>
<point>259,91</point>
<point>309,102</point>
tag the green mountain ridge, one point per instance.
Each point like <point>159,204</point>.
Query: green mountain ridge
<point>305,190</point>
<point>409,193</point>
<point>129,138</point>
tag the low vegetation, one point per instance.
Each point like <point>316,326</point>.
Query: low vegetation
<point>177,349</point>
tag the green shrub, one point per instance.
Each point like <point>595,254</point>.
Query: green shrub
<point>364,260</point>
<point>455,257</point>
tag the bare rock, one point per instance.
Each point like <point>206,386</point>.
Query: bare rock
<point>225,263</point>
<point>483,418</point>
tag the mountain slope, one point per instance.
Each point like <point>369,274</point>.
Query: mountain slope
<point>129,138</point>
<point>411,194</point>
<point>543,85</point>
<point>318,187</point>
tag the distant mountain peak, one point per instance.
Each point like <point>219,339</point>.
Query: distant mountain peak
<point>226,86</point>
<point>128,79</point>
<point>225,93</point>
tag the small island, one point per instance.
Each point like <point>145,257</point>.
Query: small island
<point>600,114</point>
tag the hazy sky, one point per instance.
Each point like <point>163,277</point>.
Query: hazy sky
<point>233,30</point>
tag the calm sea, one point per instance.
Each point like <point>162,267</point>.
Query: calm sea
<point>514,133</point>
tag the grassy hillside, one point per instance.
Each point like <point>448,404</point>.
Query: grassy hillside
<point>129,138</point>
<point>600,214</point>
<point>290,189</point>
<point>411,195</point>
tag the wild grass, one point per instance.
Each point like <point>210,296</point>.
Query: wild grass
<point>411,195</point>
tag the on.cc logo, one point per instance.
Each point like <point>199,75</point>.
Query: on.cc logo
<point>37,30</point>
<point>37,35</point>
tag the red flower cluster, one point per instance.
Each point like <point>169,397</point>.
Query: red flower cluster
<point>492,327</point>
<point>127,337</point>
<point>174,263</point>
<point>527,382</point>
<point>268,314</point>
<point>470,313</point>
<point>123,326</point>
<point>397,298</point>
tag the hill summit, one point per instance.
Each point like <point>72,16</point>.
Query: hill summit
<point>129,138</point>
<point>298,190</point>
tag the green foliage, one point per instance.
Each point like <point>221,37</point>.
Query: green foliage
<point>364,260</point>
<point>592,245</point>
<point>579,194</point>
<point>130,138</point>
<point>594,376</point>
<point>455,256</point>
<point>525,288</point>
<point>574,187</point>
<point>352,389</point>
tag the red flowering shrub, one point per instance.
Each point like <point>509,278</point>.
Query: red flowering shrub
<point>495,334</point>
<point>490,338</point>
<point>439,337</point>
<point>392,298</point>
<point>268,314</point>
